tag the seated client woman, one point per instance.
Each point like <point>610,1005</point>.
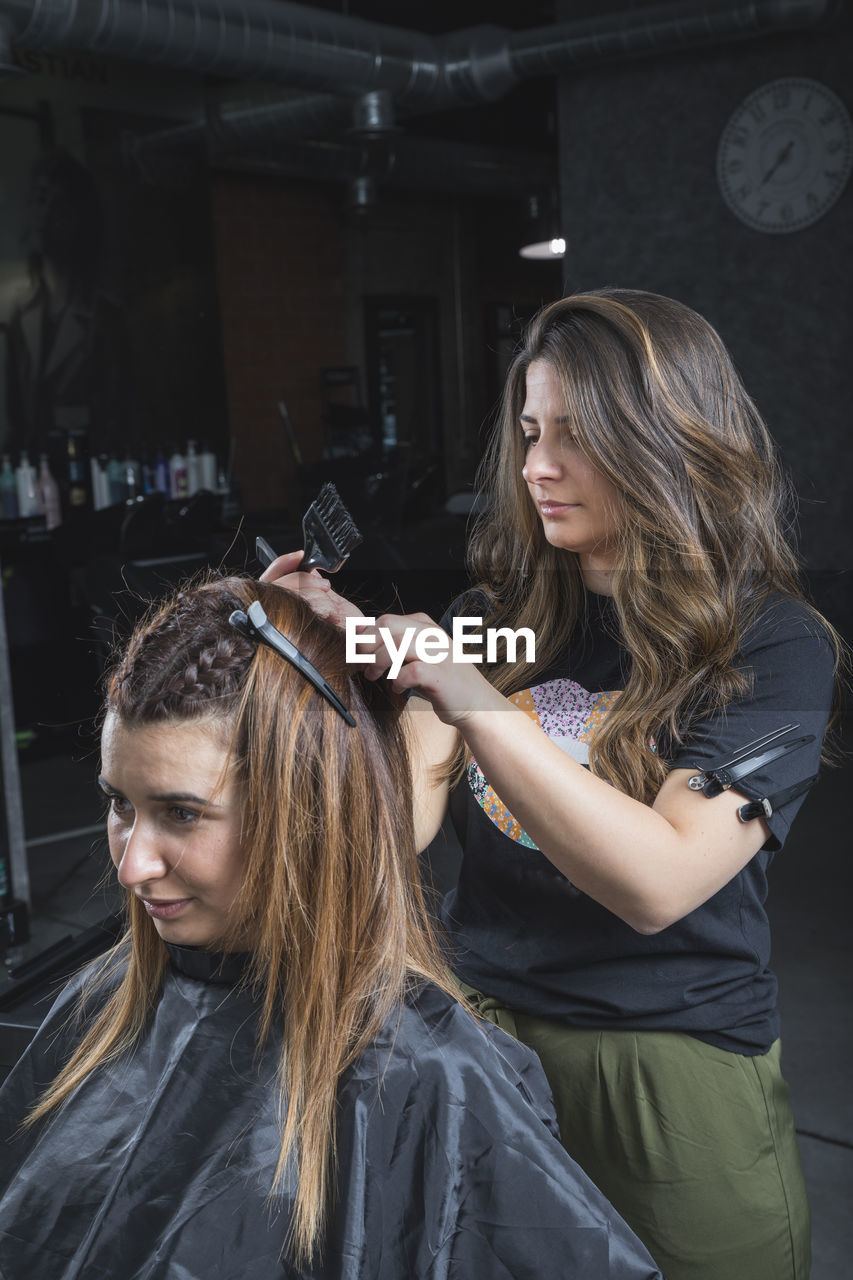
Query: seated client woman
<point>270,1075</point>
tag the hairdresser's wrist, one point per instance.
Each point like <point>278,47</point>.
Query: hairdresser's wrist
<point>416,656</point>
<point>459,694</point>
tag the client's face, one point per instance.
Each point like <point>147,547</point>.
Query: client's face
<point>174,824</point>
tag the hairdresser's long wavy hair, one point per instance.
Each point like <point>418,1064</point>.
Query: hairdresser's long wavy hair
<point>331,894</point>
<point>657,407</point>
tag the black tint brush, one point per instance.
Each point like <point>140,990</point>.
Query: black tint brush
<point>329,534</point>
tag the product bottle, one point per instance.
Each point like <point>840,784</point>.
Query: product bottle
<point>115,480</point>
<point>5,885</point>
<point>25,478</point>
<point>8,490</point>
<point>207,469</point>
<point>178,479</point>
<point>78,475</point>
<point>161,474</point>
<point>132,479</point>
<point>148,474</point>
<point>193,469</point>
<point>49,495</point>
<point>100,484</point>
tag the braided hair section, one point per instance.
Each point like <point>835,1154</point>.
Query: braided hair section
<point>184,660</point>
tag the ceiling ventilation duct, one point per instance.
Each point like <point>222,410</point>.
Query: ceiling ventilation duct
<point>281,42</point>
<point>373,117</point>
<point>361,194</point>
<point>382,68</point>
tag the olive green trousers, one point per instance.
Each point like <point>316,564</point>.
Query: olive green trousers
<point>694,1146</point>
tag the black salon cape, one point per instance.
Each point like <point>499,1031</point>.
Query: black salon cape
<point>160,1165</point>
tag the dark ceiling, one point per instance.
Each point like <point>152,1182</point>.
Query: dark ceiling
<point>523,119</point>
<point>438,16</point>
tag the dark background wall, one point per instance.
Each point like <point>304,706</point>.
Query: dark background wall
<point>240,287</point>
<point>279,270</point>
<point>642,208</point>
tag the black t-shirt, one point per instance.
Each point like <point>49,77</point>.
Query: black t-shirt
<point>523,934</point>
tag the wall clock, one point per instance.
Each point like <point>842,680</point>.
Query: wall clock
<point>785,155</point>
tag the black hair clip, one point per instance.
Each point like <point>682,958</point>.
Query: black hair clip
<point>255,625</point>
<point>766,807</point>
<point>723,774</point>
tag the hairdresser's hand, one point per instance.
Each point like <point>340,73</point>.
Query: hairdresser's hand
<point>312,587</point>
<point>412,652</point>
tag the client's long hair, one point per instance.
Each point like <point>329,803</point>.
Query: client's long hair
<point>331,894</point>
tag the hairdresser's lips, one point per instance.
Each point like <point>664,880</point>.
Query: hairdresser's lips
<point>163,910</point>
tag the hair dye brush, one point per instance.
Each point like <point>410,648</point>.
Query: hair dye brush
<point>329,534</point>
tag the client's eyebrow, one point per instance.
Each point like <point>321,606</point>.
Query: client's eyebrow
<point>168,797</point>
<point>184,797</point>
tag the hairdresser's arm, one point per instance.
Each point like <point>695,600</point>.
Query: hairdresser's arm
<point>431,745</point>
<point>648,864</point>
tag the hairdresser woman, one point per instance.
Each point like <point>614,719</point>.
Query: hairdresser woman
<point>620,801</point>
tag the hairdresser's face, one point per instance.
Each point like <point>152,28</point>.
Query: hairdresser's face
<point>174,824</point>
<point>577,506</point>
